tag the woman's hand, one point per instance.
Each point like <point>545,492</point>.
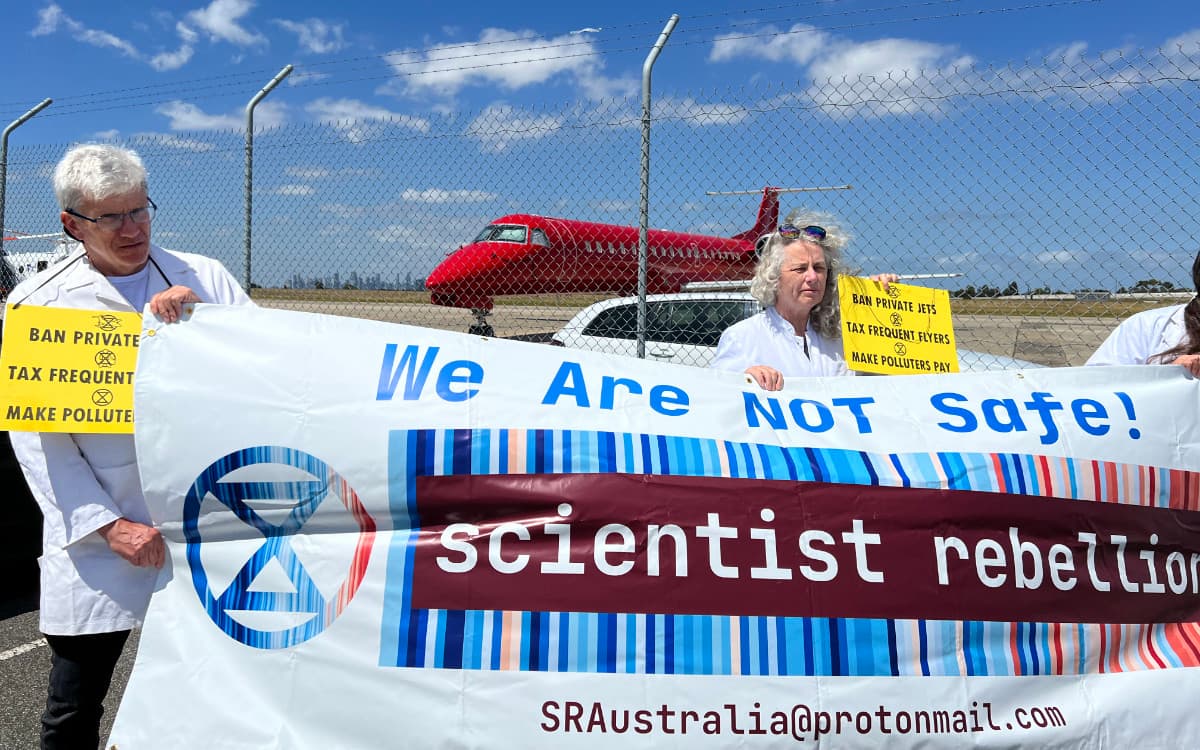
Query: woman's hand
<point>768,378</point>
<point>1189,361</point>
<point>168,304</point>
<point>887,279</point>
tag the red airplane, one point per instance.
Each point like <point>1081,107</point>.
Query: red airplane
<point>528,254</point>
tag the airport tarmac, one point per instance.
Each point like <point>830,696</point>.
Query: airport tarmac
<point>24,664</point>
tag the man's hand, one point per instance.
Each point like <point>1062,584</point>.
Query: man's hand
<point>168,304</point>
<point>138,543</point>
<point>768,378</point>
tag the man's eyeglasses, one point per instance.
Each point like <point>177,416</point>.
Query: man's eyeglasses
<point>113,222</point>
<point>811,232</point>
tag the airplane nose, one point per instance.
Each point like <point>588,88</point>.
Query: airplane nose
<point>454,270</point>
<point>465,278</point>
<point>438,277</point>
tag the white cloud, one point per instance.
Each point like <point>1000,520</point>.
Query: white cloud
<point>888,76</point>
<point>1186,43</point>
<point>1094,79</point>
<point>882,57</point>
<point>186,35</point>
<point>180,57</point>
<point>48,20</point>
<point>696,113</point>
<point>500,59</point>
<point>882,69</point>
<point>894,76</point>
<point>799,45</point>
<point>500,125</point>
<point>595,86</point>
<point>360,121</point>
<point>52,17</point>
<point>107,135</point>
<point>828,57</point>
<point>171,60</point>
<point>294,190</point>
<point>302,77</point>
<point>315,35</point>
<point>1069,53</point>
<point>435,195</point>
<point>173,141</point>
<point>187,116</point>
<point>221,21</point>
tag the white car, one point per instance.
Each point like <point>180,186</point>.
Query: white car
<point>685,329</point>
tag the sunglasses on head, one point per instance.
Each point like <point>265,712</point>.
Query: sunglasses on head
<point>811,232</point>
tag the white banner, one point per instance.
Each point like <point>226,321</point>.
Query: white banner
<point>386,536</point>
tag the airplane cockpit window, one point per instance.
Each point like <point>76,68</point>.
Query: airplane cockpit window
<point>503,233</point>
<point>539,238</point>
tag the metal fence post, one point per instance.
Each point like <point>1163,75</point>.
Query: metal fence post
<point>4,159</point>
<point>250,164</point>
<point>644,208</point>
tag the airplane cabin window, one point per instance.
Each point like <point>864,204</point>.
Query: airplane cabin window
<point>539,238</point>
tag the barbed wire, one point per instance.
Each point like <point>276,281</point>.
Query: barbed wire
<point>165,93</point>
<point>257,74</point>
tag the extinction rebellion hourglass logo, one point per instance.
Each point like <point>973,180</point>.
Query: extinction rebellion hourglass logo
<point>248,519</point>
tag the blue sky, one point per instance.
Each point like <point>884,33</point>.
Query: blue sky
<point>119,69</point>
<point>179,76</point>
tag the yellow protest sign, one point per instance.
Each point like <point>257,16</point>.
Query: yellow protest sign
<point>904,330</point>
<point>68,370</point>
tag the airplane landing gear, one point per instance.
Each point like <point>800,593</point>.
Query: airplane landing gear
<point>481,327</point>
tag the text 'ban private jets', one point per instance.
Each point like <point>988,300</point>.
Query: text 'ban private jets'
<point>529,254</point>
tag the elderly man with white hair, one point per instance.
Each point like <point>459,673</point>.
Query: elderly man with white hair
<point>100,553</point>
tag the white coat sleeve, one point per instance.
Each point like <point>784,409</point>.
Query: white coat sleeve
<point>1126,345</point>
<point>63,483</point>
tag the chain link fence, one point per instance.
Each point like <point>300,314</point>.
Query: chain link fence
<point>1061,195</point>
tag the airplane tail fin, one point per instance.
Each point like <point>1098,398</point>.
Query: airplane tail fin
<point>768,216</point>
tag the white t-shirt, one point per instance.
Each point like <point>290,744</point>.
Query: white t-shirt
<point>134,286</point>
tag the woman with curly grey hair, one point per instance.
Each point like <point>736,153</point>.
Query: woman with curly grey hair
<point>798,334</point>
<point>1164,335</point>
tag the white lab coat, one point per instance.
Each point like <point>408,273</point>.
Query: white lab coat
<point>768,339</point>
<point>83,482</point>
<point>1142,336</point>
